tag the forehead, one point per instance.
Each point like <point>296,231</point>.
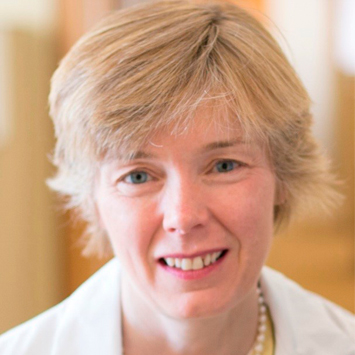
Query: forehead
<point>206,131</point>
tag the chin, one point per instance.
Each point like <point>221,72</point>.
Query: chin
<point>199,306</point>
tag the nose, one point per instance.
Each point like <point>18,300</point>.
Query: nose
<point>184,207</point>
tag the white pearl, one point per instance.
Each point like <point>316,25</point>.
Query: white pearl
<point>260,338</point>
<point>262,328</point>
<point>262,318</point>
<point>259,347</point>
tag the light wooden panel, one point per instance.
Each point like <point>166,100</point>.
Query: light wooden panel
<point>254,7</point>
<point>344,133</point>
<point>320,259</point>
<point>77,16</point>
<point>31,255</point>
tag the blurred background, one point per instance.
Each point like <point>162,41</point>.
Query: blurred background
<point>40,262</point>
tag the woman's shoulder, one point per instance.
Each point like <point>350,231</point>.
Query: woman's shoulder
<point>305,321</point>
<point>71,327</point>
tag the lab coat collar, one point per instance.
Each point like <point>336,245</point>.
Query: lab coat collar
<point>91,322</point>
<point>305,323</point>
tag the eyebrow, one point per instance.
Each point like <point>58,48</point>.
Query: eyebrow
<point>140,155</point>
<point>222,144</point>
<point>207,148</point>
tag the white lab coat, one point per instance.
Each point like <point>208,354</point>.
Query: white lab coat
<point>88,322</point>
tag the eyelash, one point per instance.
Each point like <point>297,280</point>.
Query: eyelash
<point>235,163</point>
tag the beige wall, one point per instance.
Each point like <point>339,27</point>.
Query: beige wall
<point>29,14</point>
<point>31,254</point>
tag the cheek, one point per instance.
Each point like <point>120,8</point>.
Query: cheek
<point>247,211</point>
<point>129,224</point>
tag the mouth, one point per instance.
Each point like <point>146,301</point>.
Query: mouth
<point>194,263</point>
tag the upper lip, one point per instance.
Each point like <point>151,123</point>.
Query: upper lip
<point>193,255</point>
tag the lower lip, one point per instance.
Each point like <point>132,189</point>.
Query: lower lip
<point>193,274</point>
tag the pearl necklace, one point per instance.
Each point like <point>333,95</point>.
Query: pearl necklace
<point>258,348</point>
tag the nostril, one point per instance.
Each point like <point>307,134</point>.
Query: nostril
<point>176,230</point>
<point>179,230</point>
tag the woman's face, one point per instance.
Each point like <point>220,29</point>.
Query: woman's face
<point>181,202</point>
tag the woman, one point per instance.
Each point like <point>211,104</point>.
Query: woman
<point>183,139</point>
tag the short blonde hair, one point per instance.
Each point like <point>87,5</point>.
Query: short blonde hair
<point>152,65</point>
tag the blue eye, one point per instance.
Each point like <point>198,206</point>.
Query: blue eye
<point>138,177</point>
<point>226,165</point>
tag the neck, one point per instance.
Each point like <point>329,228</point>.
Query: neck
<point>146,330</point>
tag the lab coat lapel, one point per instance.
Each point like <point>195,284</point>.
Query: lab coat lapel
<point>305,323</point>
<point>91,323</point>
<point>277,301</point>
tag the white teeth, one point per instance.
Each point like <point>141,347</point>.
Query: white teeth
<point>207,260</point>
<point>170,262</point>
<point>196,263</point>
<point>186,264</point>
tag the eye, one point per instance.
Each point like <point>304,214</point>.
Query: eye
<point>225,166</point>
<point>137,177</point>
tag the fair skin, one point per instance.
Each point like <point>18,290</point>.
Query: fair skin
<point>188,196</point>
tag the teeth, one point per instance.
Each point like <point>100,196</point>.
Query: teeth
<point>207,260</point>
<point>213,257</point>
<point>170,262</point>
<point>186,264</point>
<point>196,263</point>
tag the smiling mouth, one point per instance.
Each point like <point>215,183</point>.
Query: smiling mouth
<point>196,263</point>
